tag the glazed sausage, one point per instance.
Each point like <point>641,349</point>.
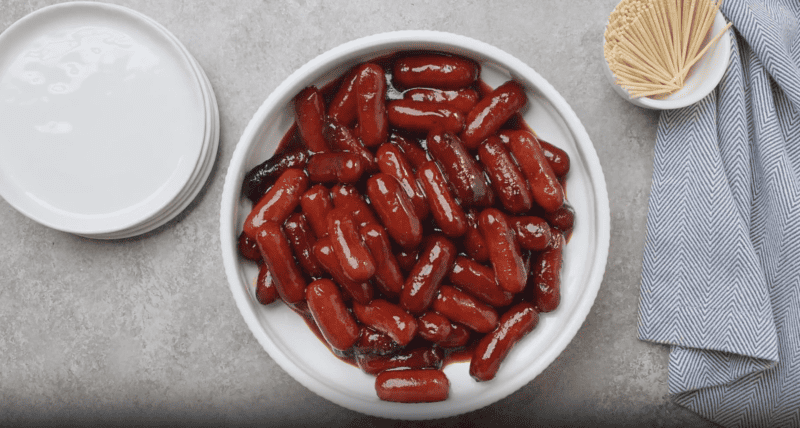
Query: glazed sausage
<point>316,203</point>
<point>310,117</point>
<point>371,107</point>
<point>387,318</point>
<point>340,138</point>
<point>507,180</point>
<point>546,276</point>
<point>423,117</point>
<point>388,276</point>
<point>335,322</point>
<point>417,358</point>
<point>278,202</point>
<point>562,219</point>
<point>359,291</point>
<point>407,258</point>
<point>474,244</point>
<point>494,347</point>
<point>462,100</point>
<point>265,286</point>
<point>395,210</point>
<point>342,108</point>
<point>557,158</point>
<point>546,189</point>
<point>435,71</point>
<point>462,308</point>
<point>447,213</point>
<point>277,255</point>
<point>413,152</point>
<point>374,342</point>
<point>533,233</point>
<point>337,167</point>
<point>459,336</point>
<point>259,178</point>
<point>504,253</point>
<point>492,112</point>
<point>422,283</point>
<point>392,161</point>
<point>433,327</point>
<point>347,196</point>
<point>248,248</point>
<point>302,240</point>
<point>462,170</point>
<point>412,386</point>
<point>354,256</point>
<point>479,281</point>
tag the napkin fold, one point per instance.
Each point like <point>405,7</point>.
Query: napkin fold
<point>721,267</point>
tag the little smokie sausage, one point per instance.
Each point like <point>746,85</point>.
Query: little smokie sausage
<point>504,253</point>
<point>422,283</point>
<point>479,281</point>
<point>340,138</point>
<point>462,308</point>
<point>374,342</point>
<point>433,327</point>
<point>337,167</point>
<point>416,358</point>
<point>347,196</point>
<point>562,219</point>
<point>371,108</point>
<point>354,256</point>
<point>546,276</point>
<point>492,112</point>
<point>342,108</point>
<point>335,322</point>
<point>279,201</point>
<point>392,161</point>
<point>507,180</point>
<point>546,189</point>
<point>423,117</point>
<point>435,71</point>
<point>474,244</point>
<point>388,276</point>
<point>533,233</point>
<point>277,255</point>
<point>412,386</point>
<point>248,248</point>
<point>302,240</point>
<point>310,117</point>
<point>461,169</point>
<point>459,336</point>
<point>395,210</point>
<point>258,179</point>
<point>557,158</point>
<point>462,100</point>
<point>358,291</point>
<point>316,203</point>
<point>493,348</point>
<point>387,318</point>
<point>265,287</point>
<point>447,213</point>
<point>413,152</point>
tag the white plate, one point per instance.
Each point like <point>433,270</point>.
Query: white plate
<point>285,336</point>
<point>204,167</point>
<point>105,118</point>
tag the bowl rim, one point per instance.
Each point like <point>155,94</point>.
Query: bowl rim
<point>231,195</point>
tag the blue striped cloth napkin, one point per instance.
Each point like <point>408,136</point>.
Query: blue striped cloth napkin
<point>721,270</point>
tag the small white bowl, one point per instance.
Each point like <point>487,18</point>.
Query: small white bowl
<point>703,77</point>
<point>285,336</point>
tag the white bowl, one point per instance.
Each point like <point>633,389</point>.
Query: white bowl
<point>284,334</point>
<point>702,78</point>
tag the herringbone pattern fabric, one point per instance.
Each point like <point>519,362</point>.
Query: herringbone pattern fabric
<point>721,270</point>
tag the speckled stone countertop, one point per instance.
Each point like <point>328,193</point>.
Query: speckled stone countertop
<point>145,330</point>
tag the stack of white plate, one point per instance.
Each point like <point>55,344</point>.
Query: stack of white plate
<point>109,127</point>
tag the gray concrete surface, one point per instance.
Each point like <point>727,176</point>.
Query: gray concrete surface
<point>145,330</point>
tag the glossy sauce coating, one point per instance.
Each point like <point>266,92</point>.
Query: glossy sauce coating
<point>465,309</point>
<point>462,100</point>
<point>341,138</point>
<point>533,233</point>
<point>435,71</point>
<point>546,276</point>
<point>338,167</point>
<point>354,257</point>
<point>392,161</point>
<point>266,292</point>
<point>417,358</point>
<point>342,108</point>
<point>302,240</point>
<point>462,170</point>
<point>422,283</point>
<point>316,203</point>
<point>259,179</point>
<point>371,108</point>
<point>446,211</point>
<point>479,281</point>
<point>504,253</point>
<point>388,276</point>
<point>412,386</point>
<point>507,180</point>
<point>278,202</point>
<point>492,112</point>
<point>359,291</point>
<point>546,189</point>
<point>494,347</point>
<point>395,210</point>
<point>310,117</point>
<point>277,255</point>
<point>423,117</point>
<point>387,318</point>
<point>335,322</point>
<point>434,327</point>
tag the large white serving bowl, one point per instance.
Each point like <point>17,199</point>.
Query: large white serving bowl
<point>285,336</point>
